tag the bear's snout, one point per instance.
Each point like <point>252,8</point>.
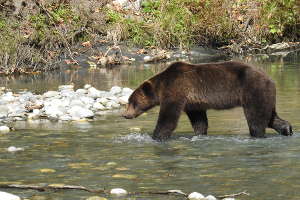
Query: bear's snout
<point>127,116</point>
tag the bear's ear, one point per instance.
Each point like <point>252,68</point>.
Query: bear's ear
<point>147,88</point>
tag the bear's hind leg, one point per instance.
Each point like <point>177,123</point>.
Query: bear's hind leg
<point>167,120</point>
<point>199,121</point>
<point>281,126</point>
<point>257,120</point>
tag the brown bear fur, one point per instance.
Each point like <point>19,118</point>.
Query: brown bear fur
<point>197,88</point>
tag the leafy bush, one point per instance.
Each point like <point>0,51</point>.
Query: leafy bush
<point>281,19</point>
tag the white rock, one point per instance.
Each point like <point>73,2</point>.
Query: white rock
<point>115,90</point>
<point>103,100</point>
<point>54,111</point>
<point>118,192</point>
<point>36,111</point>
<point>8,97</point>
<point>210,197</point>
<point>80,112</point>
<point>65,87</point>
<point>67,93</point>
<point>14,149</point>
<point>93,92</point>
<point>4,129</point>
<point>98,106</point>
<point>195,196</point>
<point>147,58</point>
<point>3,111</point>
<point>8,196</point>
<point>127,91</point>
<point>87,101</point>
<point>32,116</point>
<point>65,118</point>
<point>81,91</point>
<point>113,98</point>
<point>123,100</point>
<point>50,94</point>
<point>112,104</point>
<point>87,86</point>
<point>229,198</point>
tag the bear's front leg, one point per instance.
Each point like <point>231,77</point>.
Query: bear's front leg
<point>167,121</point>
<point>198,119</point>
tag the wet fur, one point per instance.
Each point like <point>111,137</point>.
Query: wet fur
<point>197,88</point>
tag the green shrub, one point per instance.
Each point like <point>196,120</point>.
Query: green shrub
<point>281,19</point>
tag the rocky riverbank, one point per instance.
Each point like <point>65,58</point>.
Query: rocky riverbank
<point>65,104</point>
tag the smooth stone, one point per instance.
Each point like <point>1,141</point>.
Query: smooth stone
<point>93,92</point>
<point>118,192</point>
<point>112,104</point>
<point>51,94</point>
<point>80,112</point>
<point>147,58</point>
<point>87,101</point>
<point>4,129</point>
<point>54,112</point>
<point>76,102</point>
<point>123,100</point>
<point>228,198</point>
<point>127,91</point>
<point>210,197</point>
<point>67,93</point>
<point>81,91</point>
<point>8,196</point>
<point>98,106</point>
<point>8,97</point>
<point>115,90</point>
<point>36,111</point>
<point>87,86</point>
<point>65,87</point>
<point>102,100</point>
<point>3,111</point>
<point>195,196</point>
<point>14,149</point>
<point>32,116</point>
<point>65,118</point>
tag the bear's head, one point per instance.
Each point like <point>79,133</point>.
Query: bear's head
<point>141,100</point>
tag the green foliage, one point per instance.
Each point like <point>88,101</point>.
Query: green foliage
<point>173,23</point>
<point>164,23</point>
<point>281,17</point>
<point>2,24</point>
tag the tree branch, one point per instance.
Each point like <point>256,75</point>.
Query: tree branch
<point>42,188</point>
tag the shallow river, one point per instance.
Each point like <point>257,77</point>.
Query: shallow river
<point>113,152</point>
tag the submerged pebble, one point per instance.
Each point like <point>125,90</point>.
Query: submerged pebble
<point>14,149</point>
<point>8,196</point>
<point>118,192</point>
<point>64,104</point>
<point>4,129</point>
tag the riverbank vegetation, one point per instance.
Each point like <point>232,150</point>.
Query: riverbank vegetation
<point>35,35</point>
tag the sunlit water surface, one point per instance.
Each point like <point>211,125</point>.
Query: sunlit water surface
<point>112,152</point>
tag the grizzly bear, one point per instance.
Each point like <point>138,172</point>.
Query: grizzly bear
<point>197,88</point>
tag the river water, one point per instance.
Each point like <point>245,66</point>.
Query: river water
<point>114,152</point>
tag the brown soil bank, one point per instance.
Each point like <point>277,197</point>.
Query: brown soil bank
<point>37,34</point>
